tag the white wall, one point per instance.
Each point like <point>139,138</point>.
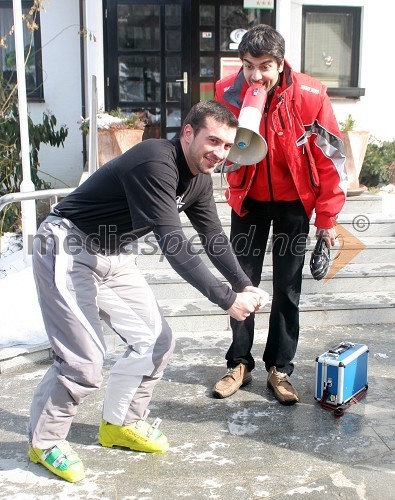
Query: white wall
<point>62,91</point>
<point>62,72</point>
<point>374,111</point>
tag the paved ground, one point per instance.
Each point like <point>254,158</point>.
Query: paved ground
<point>245,447</point>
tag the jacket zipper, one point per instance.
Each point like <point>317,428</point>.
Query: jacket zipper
<point>281,99</point>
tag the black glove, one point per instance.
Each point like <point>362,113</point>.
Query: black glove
<point>320,259</point>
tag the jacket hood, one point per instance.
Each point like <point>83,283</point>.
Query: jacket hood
<point>234,94</point>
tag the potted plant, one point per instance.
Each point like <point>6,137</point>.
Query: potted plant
<point>355,144</point>
<point>116,133</point>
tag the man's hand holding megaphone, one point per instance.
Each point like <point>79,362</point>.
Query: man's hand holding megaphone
<point>249,146</point>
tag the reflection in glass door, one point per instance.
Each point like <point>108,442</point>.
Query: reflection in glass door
<point>144,62</point>
<point>162,56</point>
<point>214,46</point>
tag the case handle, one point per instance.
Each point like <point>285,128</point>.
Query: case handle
<point>344,346</point>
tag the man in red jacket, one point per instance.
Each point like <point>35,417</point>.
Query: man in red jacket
<point>302,172</point>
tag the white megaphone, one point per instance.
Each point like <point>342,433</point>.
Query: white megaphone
<point>249,146</point>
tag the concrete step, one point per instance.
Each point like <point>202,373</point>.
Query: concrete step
<point>362,292</point>
<point>325,309</point>
<point>17,357</point>
<point>196,316</point>
<point>377,250</point>
<point>365,204</point>
<point>362,277</point>
<point>366,225</point>
<point>357,205</point>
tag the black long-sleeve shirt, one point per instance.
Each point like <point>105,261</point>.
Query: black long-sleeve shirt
<point>144,190</point>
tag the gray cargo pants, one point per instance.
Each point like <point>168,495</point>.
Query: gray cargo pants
<point>77,285</point>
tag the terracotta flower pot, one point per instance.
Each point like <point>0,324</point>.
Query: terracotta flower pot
<point>355,144</point>
<point>115,141</point>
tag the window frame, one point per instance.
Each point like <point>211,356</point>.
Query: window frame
<point>37,95</point>
<point>354,91</point>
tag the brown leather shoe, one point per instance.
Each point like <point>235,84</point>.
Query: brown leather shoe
<point>233,379</point>
<point>281,385</point>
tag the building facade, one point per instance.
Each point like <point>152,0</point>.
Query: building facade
<point>160,57</point>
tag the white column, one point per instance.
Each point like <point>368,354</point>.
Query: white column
<point>289,24</point>
<point>29,223</point>
<point>283,20</point>
<point>94,50</point>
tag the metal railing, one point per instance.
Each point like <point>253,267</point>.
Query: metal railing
<point>52,194</point>
<point>92,165</point>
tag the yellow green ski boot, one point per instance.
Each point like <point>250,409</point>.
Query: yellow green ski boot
<point>138,436</point>
<point>61,460</point>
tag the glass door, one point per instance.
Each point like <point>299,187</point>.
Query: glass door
<point>222,23</point>
<point>163,56</point>
<point>147,62</point>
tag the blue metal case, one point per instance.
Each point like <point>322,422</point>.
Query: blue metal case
<point>341,373</point>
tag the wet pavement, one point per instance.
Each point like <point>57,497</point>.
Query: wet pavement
<point>247,446</point>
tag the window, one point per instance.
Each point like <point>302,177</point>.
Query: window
<point>32,42</point>
<point>330,48</point>
<point>222,25</point>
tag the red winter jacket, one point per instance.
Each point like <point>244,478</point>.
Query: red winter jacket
<point>302,122</point>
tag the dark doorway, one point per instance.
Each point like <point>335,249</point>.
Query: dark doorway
<point>162,56</point>
<point>215,37</point>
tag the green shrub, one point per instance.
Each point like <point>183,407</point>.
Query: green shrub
<point>379,163</point>
<point>11,174</point>
<point>348,124</point>
<point>10,143</point>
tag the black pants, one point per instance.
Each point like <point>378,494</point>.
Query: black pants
<point>249,236</point>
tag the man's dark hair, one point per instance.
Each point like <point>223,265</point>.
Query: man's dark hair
<point>262,39</point>
<point>204,109</point>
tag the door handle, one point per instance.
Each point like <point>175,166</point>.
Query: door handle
<point>185,80</point>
